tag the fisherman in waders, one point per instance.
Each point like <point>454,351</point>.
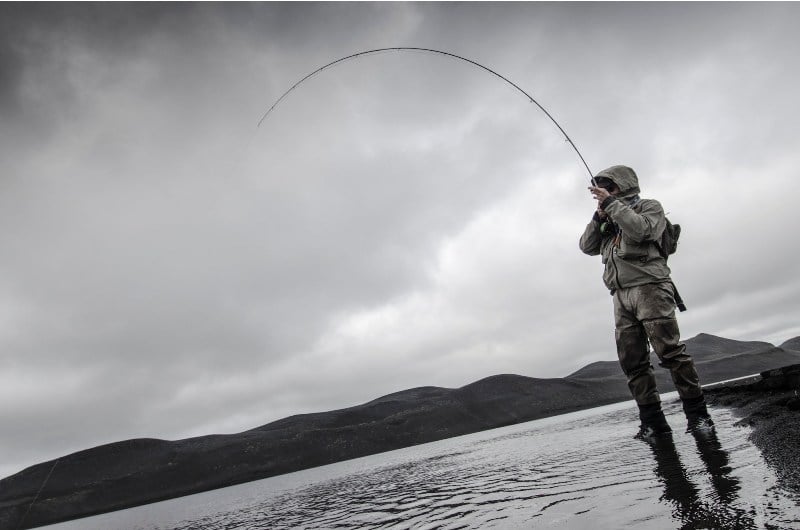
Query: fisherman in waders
<point>625,230</point>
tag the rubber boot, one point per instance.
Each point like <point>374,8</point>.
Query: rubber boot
<point>698,420</point>
<point>654,424</point>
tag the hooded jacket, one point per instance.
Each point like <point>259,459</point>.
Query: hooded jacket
<point>628,243</point>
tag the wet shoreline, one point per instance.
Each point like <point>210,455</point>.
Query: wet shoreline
<point>770,405</point>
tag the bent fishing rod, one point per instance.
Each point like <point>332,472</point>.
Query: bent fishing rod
<point>440,52</point>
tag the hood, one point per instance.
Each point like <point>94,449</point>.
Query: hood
<point>624,177</point>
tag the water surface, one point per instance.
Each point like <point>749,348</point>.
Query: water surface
<point>580,470</point>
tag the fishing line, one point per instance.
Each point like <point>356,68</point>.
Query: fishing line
<point>36,497</point>
<point>440,52</point>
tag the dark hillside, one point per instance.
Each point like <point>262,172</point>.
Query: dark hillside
<point>792,344</point>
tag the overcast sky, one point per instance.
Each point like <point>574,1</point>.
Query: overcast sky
<point>168,269</point>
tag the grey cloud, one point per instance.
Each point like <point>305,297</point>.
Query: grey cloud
<point>170,269</point>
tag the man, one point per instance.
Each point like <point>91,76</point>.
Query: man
<point>624,231</point>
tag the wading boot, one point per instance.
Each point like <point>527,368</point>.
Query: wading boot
<point>654,424</point>
<point>698,420</point>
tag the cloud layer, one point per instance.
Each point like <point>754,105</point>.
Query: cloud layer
<point>401,220</point>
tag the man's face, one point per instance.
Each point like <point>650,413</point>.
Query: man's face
<point>607,184</point>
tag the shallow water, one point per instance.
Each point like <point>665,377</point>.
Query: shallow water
<point>580,470</point>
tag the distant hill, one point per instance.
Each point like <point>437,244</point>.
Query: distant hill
<point>134,472</point>
<point>792,344</point>
<point>716,359</point>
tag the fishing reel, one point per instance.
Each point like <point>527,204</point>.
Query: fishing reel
<point>608,228</point>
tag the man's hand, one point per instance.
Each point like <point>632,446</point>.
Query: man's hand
<point>599,194</point>
<point>602,196</point>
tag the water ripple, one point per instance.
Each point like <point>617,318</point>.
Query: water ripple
<point>577,471</point>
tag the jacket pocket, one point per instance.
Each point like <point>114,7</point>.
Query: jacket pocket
<point>631,250</point>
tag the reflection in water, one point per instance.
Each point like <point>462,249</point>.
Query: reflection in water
<point>717,463</point>
<point>692,510</point>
